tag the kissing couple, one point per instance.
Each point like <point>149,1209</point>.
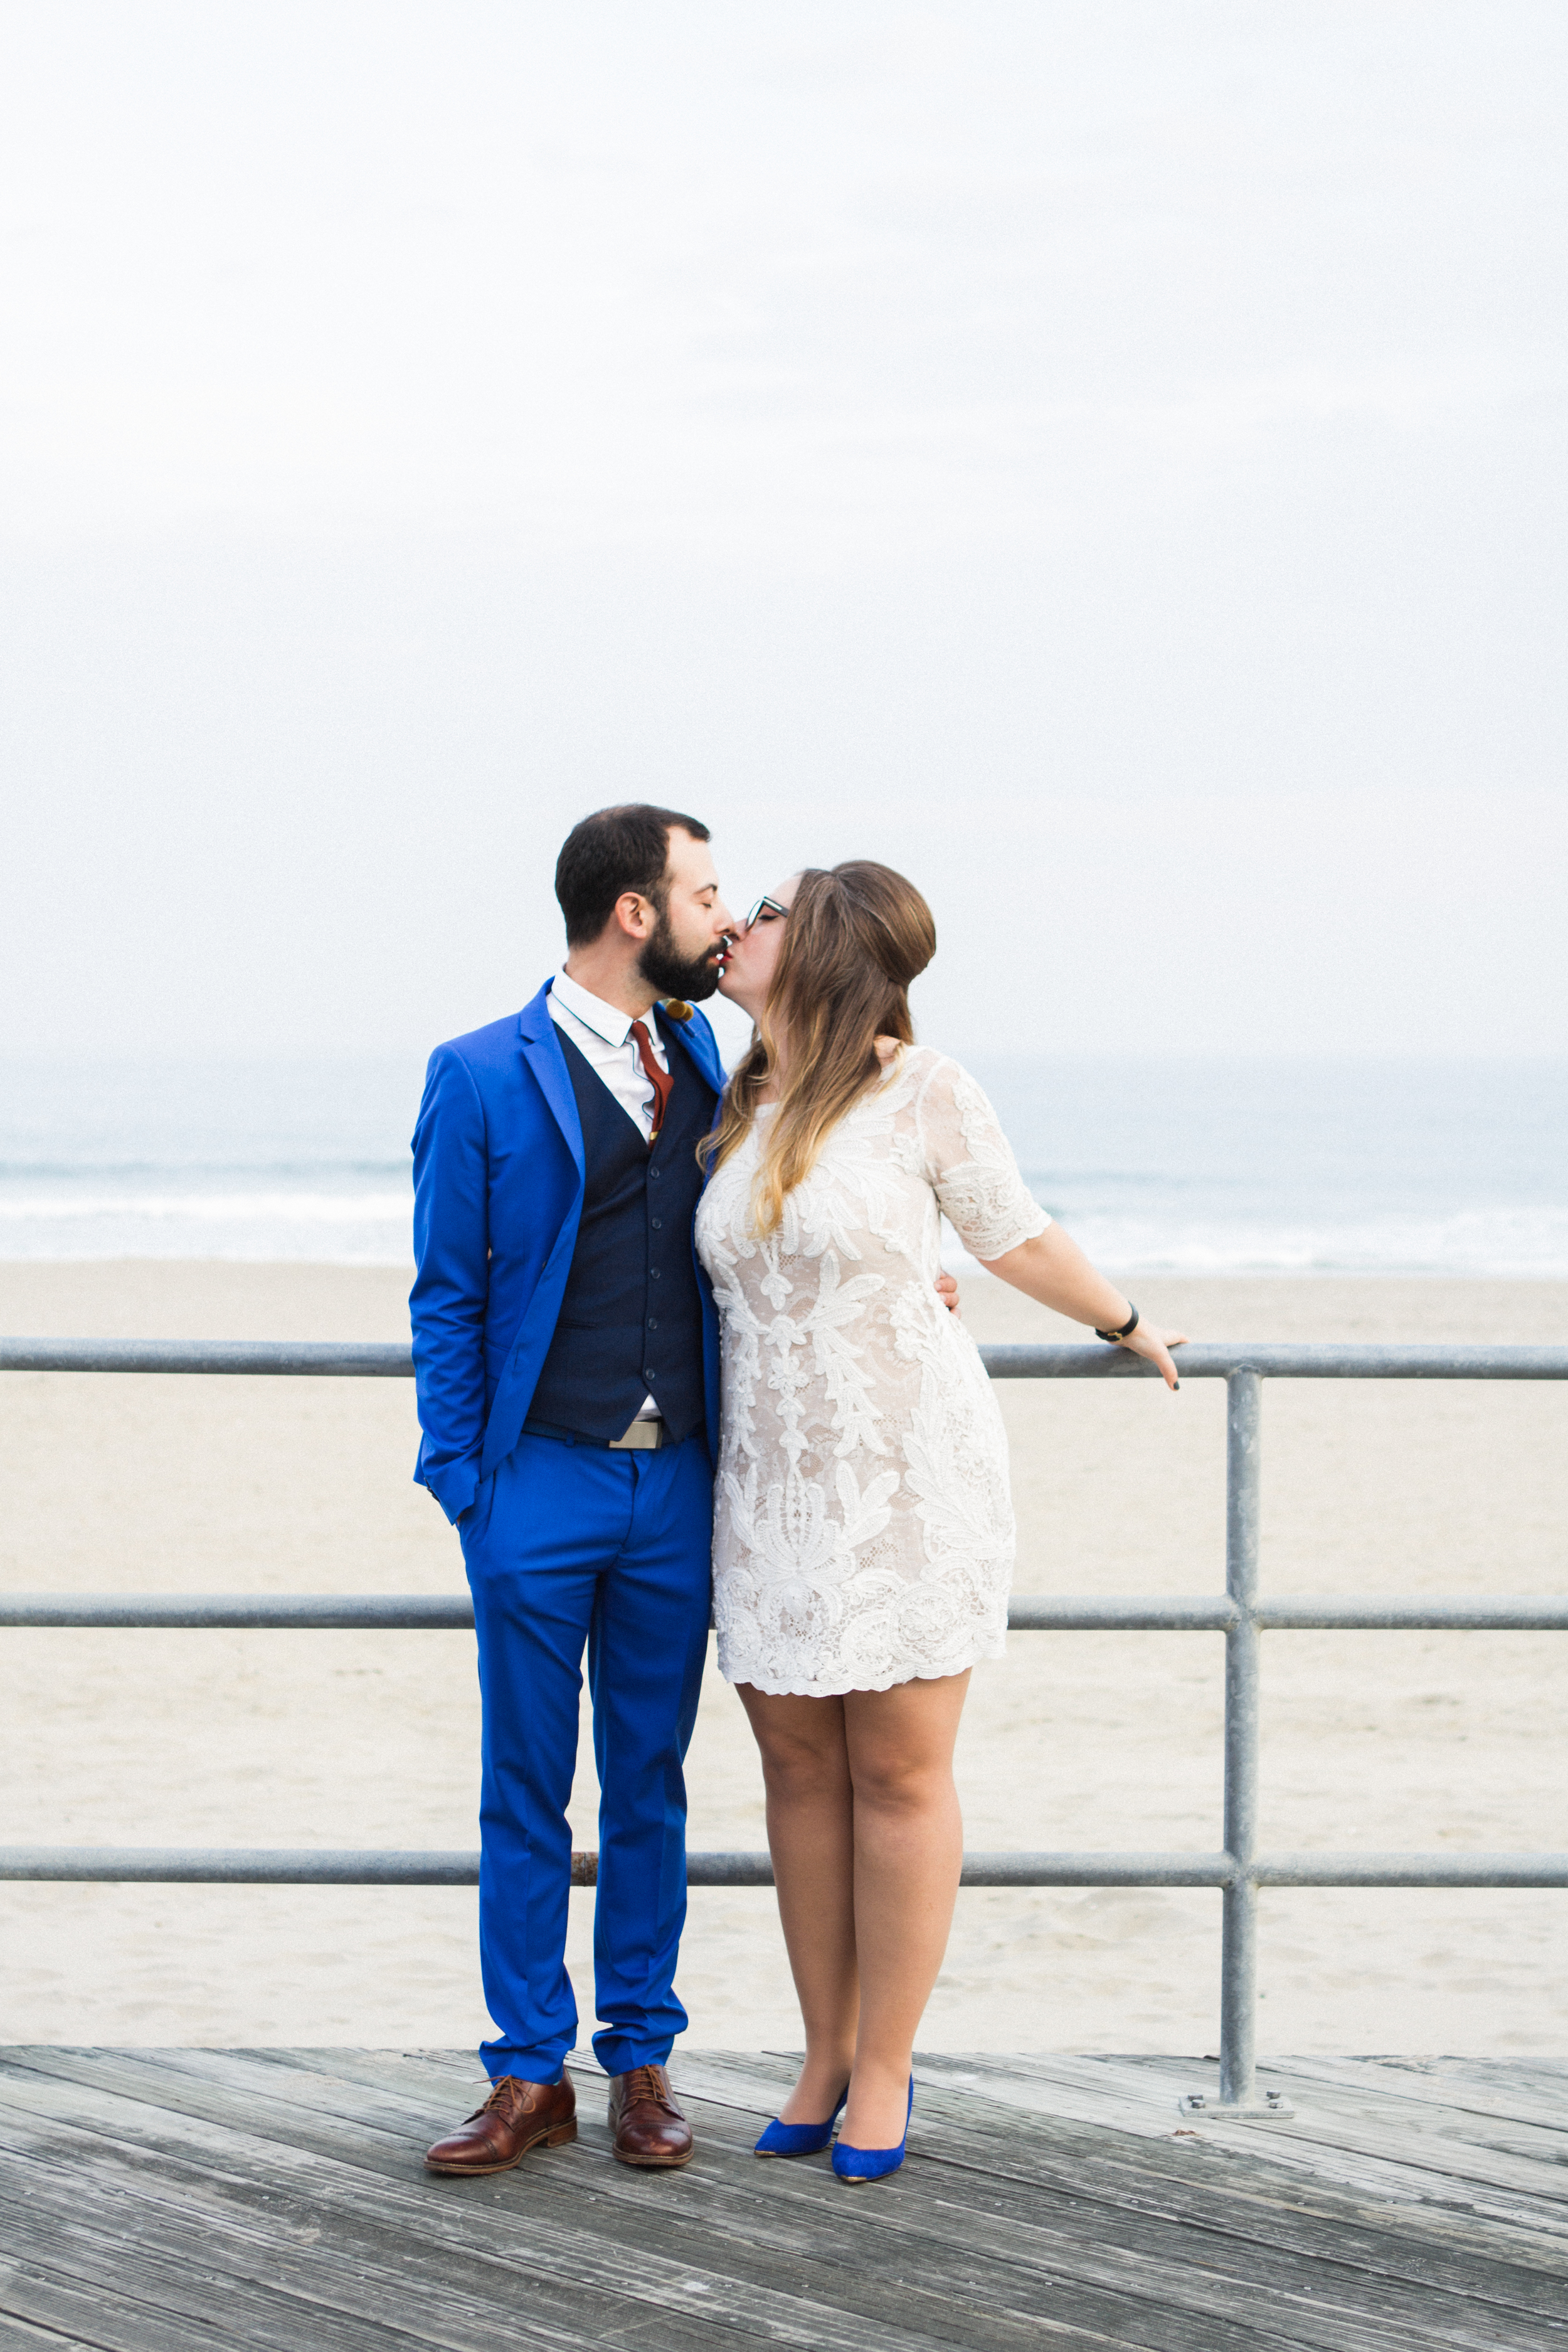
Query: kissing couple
<point>684,1342</point>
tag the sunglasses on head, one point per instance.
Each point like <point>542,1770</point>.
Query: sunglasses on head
<point>764,906</point>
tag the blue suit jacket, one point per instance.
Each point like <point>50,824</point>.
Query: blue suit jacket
<point>497,1193</point>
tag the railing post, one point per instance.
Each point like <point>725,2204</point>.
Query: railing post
<point>1238,1931</point>
<point>1238,1946</point>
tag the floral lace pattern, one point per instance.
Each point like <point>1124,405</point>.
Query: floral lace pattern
<point>863,1529</point>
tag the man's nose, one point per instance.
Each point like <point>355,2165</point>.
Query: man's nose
<point>722,921</point>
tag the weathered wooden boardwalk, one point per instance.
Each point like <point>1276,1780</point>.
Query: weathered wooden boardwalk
<point>155,2201</point>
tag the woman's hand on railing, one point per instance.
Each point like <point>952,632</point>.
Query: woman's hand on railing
<point>1053,1269</point>
<point>1149,1340</point>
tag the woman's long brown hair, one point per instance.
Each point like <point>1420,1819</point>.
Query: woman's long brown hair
<point>857,935</point>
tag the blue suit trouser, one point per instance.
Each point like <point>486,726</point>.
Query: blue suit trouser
<point>568,1546</point>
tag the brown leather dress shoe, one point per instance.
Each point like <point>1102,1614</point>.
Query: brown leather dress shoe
<point>515,2117</point>
<point>649,2127</point>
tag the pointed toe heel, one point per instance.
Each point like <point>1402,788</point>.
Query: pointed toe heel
<point>855,2164</point>
<point>799,2139</point>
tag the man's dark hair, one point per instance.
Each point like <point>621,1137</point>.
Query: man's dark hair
<point>611,852</point>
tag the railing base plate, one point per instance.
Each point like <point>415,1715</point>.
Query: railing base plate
<point>1272,2107</point>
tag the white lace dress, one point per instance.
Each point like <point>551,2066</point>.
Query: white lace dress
<point>864,1527</point>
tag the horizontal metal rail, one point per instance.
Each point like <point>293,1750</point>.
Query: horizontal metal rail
<point>1240,1613</point>
<point>1200,1359</point>
<point>1029,1612</point>
<point>292,1612</point>
<point>358,1359</point>
<point>381,1866</point>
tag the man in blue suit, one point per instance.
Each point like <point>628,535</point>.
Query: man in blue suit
<point>566,1353</point>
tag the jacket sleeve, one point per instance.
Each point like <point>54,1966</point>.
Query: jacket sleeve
<point>451,1284</point>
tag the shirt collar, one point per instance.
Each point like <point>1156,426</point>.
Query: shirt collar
<point>606,1021</point>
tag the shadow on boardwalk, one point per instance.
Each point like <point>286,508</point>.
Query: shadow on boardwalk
<point>154,2200</point>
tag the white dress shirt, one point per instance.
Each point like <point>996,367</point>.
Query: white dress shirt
<point>602,1035</point>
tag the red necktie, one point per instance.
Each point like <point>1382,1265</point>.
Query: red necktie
<point>664,1085</point>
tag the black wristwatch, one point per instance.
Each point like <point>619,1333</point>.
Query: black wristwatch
<point>1126,1331</point>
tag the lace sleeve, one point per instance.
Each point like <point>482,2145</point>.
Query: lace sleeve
<point>971,1168</point>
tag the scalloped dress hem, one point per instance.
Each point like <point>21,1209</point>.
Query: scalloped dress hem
<point>890,1681</point>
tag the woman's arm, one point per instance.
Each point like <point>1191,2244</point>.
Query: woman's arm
<point>1053,1269</point>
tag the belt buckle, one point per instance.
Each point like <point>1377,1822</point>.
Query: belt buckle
<point>645,1435</point>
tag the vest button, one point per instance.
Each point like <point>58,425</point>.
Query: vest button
<point>656,1173</point>
<point>657,1222</point>
<point>653,1323</point>
<point>654,1273</point>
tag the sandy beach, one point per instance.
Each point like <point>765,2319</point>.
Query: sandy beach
<point>133,1483</point>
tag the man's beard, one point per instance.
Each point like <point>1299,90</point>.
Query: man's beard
<point>665,968</point>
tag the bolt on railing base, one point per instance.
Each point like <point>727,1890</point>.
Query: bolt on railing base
<point>1273,2106</point>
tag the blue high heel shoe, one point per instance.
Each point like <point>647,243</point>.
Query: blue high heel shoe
<point>873,2163</point>
<point>800,2139</point>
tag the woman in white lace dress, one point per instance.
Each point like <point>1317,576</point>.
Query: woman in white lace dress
<point>863,1529</point>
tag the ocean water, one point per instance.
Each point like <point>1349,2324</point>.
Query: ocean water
<point>1298,1167</point>
<point>1189,1167</point>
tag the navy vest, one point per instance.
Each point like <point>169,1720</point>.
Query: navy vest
<point>630,1316</point>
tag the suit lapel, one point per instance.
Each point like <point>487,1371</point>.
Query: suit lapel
<point>541,1051</point>
<point>701,1050</point>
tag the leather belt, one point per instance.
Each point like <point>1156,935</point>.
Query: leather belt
<point>644,1436</point>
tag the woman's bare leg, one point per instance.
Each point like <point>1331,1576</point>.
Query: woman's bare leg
<point>811,1834</point>
<point>908,1852</point>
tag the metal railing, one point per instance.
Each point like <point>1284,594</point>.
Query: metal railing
<point>1240,1871</point>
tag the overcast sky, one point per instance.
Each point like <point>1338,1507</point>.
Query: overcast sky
<point>1107,460</point>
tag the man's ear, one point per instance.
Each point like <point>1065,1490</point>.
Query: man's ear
<point>635,915</point>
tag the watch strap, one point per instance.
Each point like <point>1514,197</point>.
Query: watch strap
<point>1126,1331</point>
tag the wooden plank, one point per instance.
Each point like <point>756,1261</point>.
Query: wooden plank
<point>1433,2101</point>
<point>103,2214</point>
<point>203,2299</point>
<point>1086,2156</point>
<point>1381,2248</point>
<point>1452,2293</point>
<point>395,2306</point>
<point>962,2324</point>
<point>1192,2282</point>
<point>374,2142</point>
<point>1006,2197</point>
<point>903,2332</point>
<point>1511,2093</point>
<point>1386,2082</point>
<point>1273,2208</point>
<point>1383,2186</point>
<point>1165,2079</point>
<point>1536,2068</point>
<point>1448,2168</point>
<point>1108,2094</point>
<point>1422,2085</point>
<point>19,2336</point>
<point>62,2311</point>
<point>382,2115</point>
<point>1343,2143</point>
<point>866,2312</point>
<point>1372,2271</point>
<point>269,2292</point>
